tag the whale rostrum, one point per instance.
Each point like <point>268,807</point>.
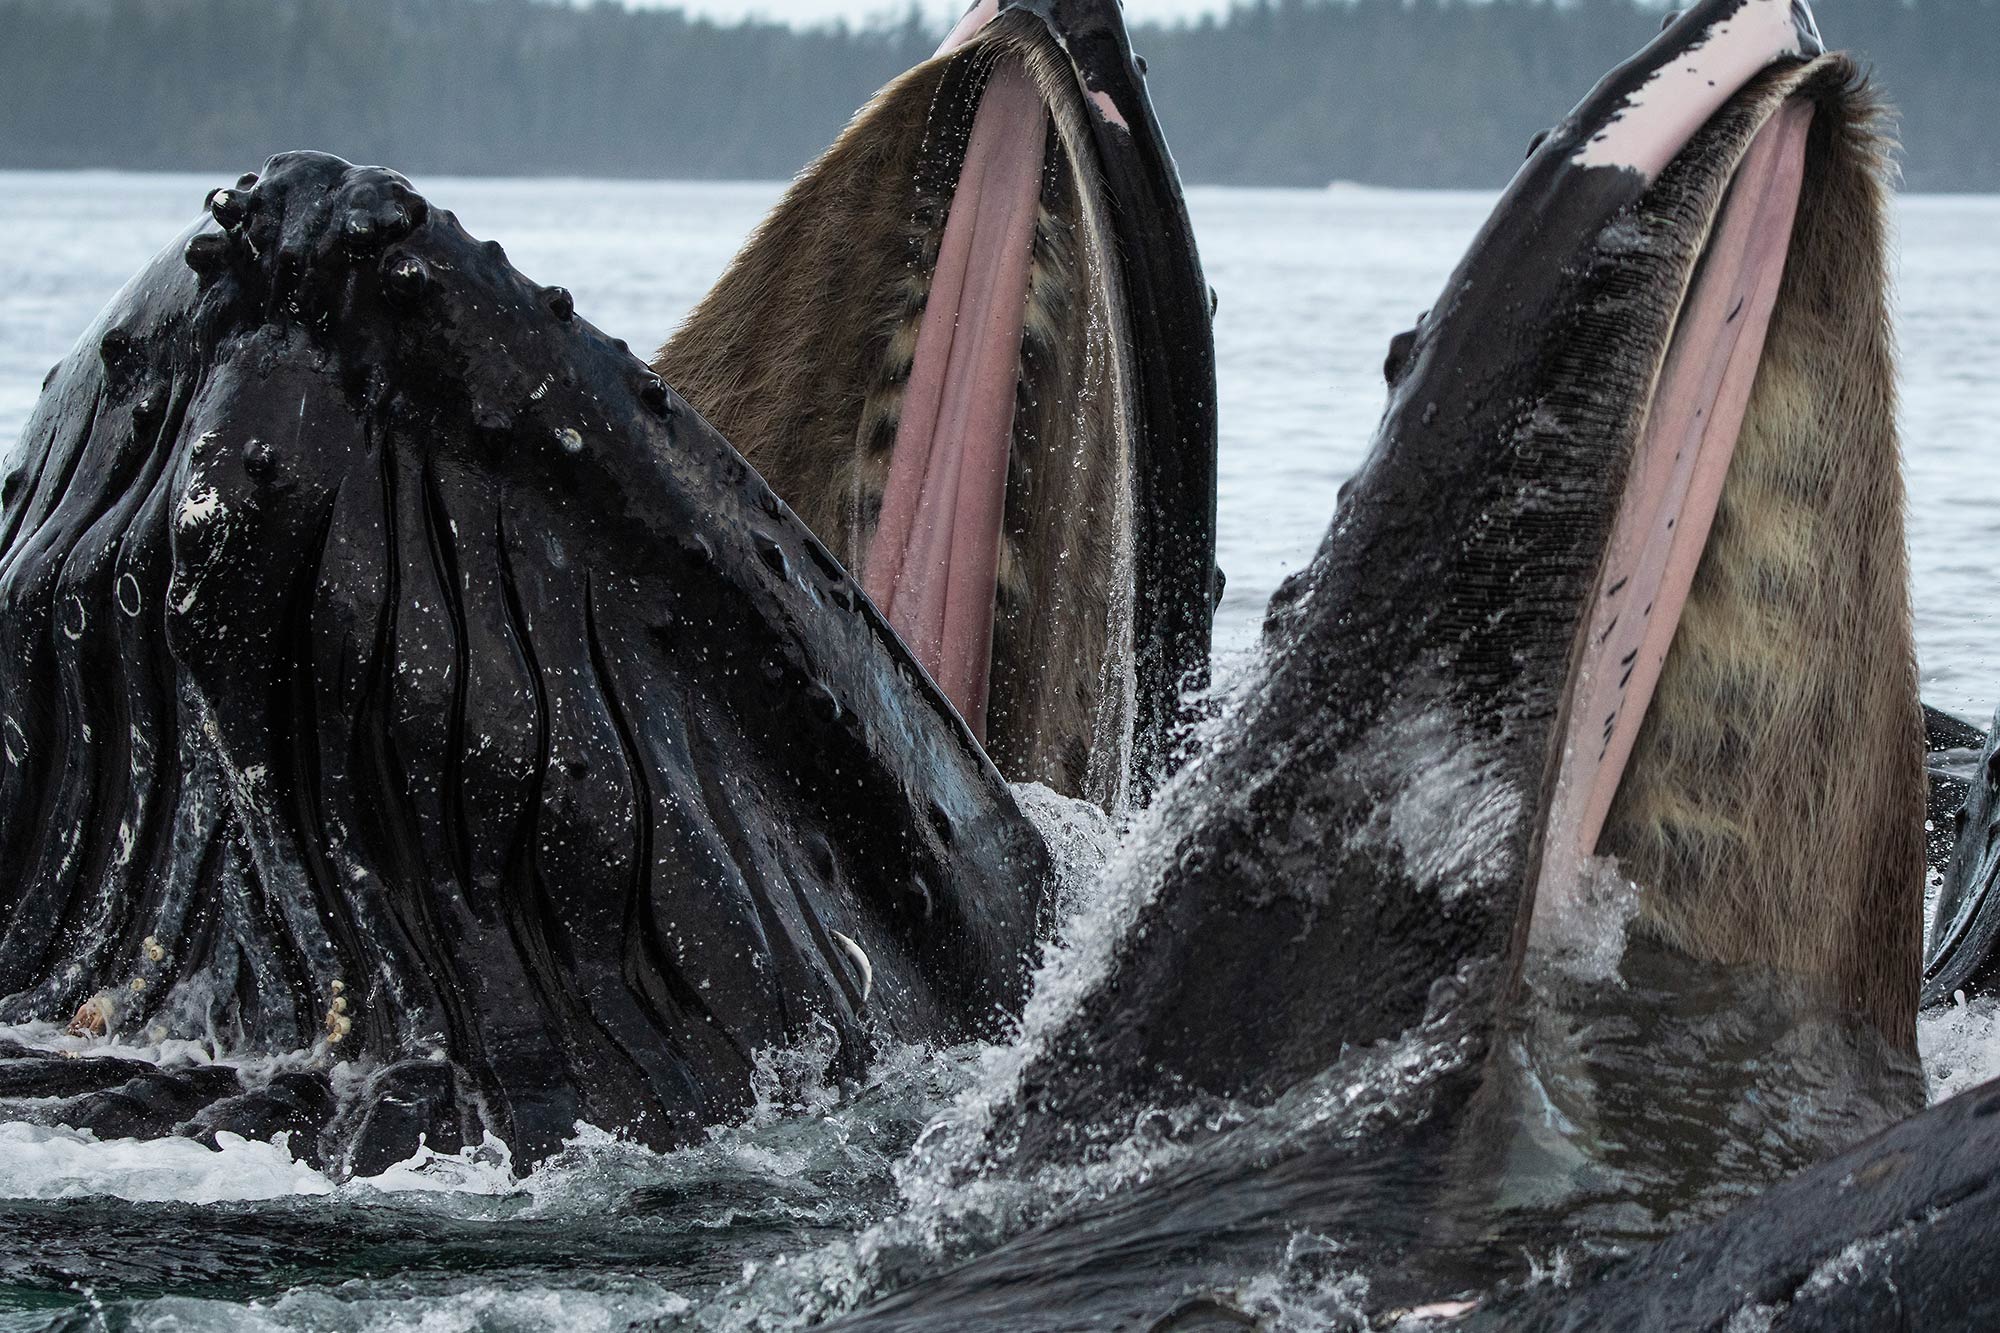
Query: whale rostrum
<point>396,668</point>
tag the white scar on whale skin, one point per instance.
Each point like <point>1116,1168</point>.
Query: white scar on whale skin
<point>200,507</point>
<point>860,961</point>
<point>1662,114</point>
<point>1107,108</point>
<point>975,18</point>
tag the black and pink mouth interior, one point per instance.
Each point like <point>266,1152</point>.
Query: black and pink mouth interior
<point>933,564</point>
<point>1677,473</point>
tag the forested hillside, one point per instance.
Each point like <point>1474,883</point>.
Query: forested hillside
<point>1291,92</point>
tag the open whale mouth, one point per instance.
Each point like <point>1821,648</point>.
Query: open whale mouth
<point>1741,726</point>
<point>1696,417</point>
<point>1663,381</point>
<point>970,349</point>
<point>1652,413</point>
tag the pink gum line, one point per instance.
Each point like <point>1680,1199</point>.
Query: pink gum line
<point>933,566</point>
<point>1695,419</point>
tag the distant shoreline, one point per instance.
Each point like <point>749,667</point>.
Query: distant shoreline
<point>212,175</point>
<point>1281,93</point>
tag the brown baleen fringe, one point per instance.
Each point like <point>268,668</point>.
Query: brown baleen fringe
<point>1773,808</point>
<point>801,353</point>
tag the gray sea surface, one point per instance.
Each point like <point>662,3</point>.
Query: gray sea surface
<point>1312,285</point>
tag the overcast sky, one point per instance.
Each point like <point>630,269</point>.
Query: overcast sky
<point>822,11</point>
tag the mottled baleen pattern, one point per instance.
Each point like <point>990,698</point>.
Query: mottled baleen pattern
<point>1774,806</point>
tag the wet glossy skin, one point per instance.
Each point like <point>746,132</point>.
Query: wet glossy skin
<point>1303,1028</point>
<point>486,487</point>
<point>1963,953</point>
<point>397,667</point>
<point>393,661</point>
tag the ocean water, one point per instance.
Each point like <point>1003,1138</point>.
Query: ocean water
<point>788,1214</point>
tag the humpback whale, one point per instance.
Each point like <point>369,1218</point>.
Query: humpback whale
<point>1621,585</point>
<point>1629,541</point>
<point>394,662</point>
<point>395,668</point>
<point>971,349</point>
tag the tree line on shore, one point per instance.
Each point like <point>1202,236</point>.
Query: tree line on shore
<point>1277,92</point>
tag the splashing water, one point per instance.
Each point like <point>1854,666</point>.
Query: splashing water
<point>1960,1044</point>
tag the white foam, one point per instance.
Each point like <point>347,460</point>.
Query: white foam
<point>1580,931</point>
<point>1313,1287</point>
<point>795,1080</point>
<point>1753,1319</point>
<point>155,1048</point>
<point>1446,804</point>
<point>612,1304</point>
<point>1080,835</point>
<point>804,1123</point>
<point>1960,1044</point>
<point>44,1163</point>
<point>56,1162</point>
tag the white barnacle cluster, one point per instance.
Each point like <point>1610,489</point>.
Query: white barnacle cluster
<point>94,1016</point>
<point>338,1022</point>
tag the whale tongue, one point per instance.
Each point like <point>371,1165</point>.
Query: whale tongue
<point>933,565</point>
<point>1697,415</point>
